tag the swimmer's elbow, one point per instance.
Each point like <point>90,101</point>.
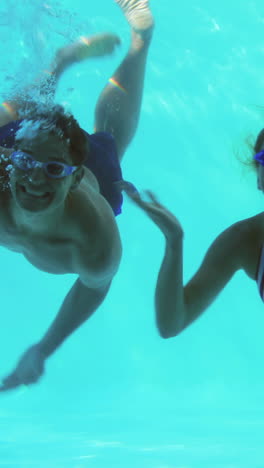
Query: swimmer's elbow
<point>170,315</point>
<point>165,334</point>
<point>170,331</point>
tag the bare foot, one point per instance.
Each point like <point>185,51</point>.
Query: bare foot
<point>138,15</point>
<point>86,47</point>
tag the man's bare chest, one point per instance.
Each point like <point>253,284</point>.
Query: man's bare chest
<point>55,255</point>
<point>78,245</point>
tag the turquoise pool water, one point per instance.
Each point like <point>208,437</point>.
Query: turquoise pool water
<point>116,394</point>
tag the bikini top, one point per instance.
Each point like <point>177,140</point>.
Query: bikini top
<point>260,277</point>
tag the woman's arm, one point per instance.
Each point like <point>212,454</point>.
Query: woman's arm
<point>169,294</point>
<point>178,306</point>
<point>222,260</point>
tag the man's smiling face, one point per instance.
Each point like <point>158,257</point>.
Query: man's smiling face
<point>33,190</point>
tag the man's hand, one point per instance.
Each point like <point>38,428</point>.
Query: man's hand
<point>29,369</point>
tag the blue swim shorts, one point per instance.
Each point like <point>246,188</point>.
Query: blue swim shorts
<point>103,162</point>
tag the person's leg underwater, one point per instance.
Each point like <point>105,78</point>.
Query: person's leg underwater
<point>47,81</point>
<point>118,108</point>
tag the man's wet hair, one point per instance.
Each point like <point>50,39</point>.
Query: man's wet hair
<point>55,120</point>
<point>61,123</point>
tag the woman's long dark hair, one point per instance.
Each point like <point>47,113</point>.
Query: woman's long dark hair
<point>56,120</point>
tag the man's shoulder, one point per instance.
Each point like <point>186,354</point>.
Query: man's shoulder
<point>98,229</point>
<point>97,237</point>
<point>92,214</point>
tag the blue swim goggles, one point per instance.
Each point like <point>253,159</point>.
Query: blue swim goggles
<point>260,157</point>
<point>53,169</point>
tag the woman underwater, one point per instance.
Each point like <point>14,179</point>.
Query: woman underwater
<point>239,247</point>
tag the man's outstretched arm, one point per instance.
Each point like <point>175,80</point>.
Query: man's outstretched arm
<point>79,304</point>
<point>77,307</point>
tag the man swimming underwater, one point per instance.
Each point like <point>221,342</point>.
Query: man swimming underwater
<point>62,193</point>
